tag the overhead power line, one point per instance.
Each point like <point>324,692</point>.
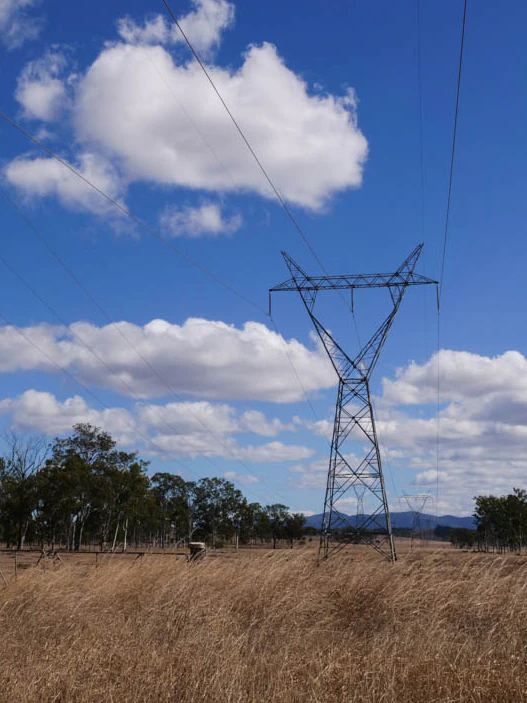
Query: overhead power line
<point>149,229</point>
<point>453,153</point>
<point>103,363</point>
<point>270,181</point>
<point>73,378</point>
<point>421,136</point>
<point>445,242</point>
<point>257,159</point>
<point>154,232</point>
<point>229,175</point>
<point>157,410</point>
<point>131,215</point>
<point>189,118</point>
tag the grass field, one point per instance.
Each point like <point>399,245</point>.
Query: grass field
<point>269,626</point>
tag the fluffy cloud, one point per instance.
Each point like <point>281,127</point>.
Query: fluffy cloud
<point>461,375</point>
<point>201,428</point>
<point>197,429</point>
<point>482,429</point>
<point>275,451</point>
<point>220,419</point>
<point>41,89</point>
<point>482,424</point>
<point>320,428</point>
<point>46,177</point>
<point>159,122</point>
<point>203,26</point>
<point>201,358</point>
<point>135,103</point>
<point>190,418</point>
<point>257,422</point>
<point>206,220</point>
<point>314,474</point>
<point>16,26</point>
<point>311,475</point>
<point>244,479</point>
<point>429,478</point>
<point>42,412</point>
<point>177,430</point>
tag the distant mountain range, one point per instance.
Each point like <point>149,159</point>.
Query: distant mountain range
<point>405,519</point>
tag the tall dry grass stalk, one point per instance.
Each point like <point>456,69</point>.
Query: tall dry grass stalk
<point>269,627</point>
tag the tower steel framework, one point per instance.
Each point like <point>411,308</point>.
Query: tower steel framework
<point>354,417</point>
<point>416,504</point>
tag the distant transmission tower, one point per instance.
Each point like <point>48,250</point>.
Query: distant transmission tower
<point>416,504</point>
<point>354,420</point>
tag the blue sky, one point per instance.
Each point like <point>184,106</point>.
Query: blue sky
<point>330,102</point>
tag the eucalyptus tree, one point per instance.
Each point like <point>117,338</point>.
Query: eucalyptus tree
<point>277,515</point>
<point>217,505</point>
<point>24,458</point>
<point>174,501</point>
<point>502,521</point>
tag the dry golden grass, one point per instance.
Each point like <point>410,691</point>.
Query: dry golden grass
<point>262,627</point>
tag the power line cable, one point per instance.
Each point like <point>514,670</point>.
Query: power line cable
<point>453,153</point>
<point>244,138</point>
<point>101,361</point>
<point>438,419</point>
<point>229,175</point>
<point>421,160</point>
<point>146,226</point>
<point>421,131</point>
<point>255,156</point>
<point>190,119</point>
<point>152,231</point>
<point>73,378</point>
<point>134,218</point>
<point>445,241</point>
<point>423,213</point>
<point>143,224</point>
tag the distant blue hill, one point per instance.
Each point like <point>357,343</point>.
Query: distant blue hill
<point>405,519</point>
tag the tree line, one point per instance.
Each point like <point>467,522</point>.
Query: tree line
<point>83,491</point>
<point>501,523</point>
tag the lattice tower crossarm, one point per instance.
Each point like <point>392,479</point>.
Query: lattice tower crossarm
<point>354,417</point>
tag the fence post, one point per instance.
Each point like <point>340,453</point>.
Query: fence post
<point>16,565</point>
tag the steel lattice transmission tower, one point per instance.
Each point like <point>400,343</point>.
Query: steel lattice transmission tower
<point>354,418</point>
<point>416,504</point>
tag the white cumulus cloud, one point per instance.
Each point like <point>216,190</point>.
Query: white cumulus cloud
<point>42,412</point>
<point>176,430</point>
<point>203,26</point>
<point>482,429</point>
<point>482,424</point>
<point>41,87</point>
<point>152,114</point>
<point>244,479</point>
<point>205,220</point>
<point>46,177</point>
<point>461,375</point>
<point>135,103</point>
<point>203,358</point>
<point>16,25</point>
